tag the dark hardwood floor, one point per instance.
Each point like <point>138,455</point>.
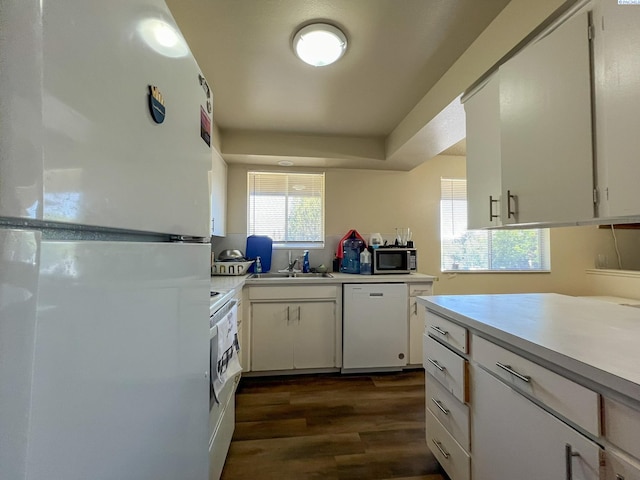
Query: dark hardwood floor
<point>331,427</point>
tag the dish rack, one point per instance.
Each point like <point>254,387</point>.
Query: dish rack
<point>230,268</point>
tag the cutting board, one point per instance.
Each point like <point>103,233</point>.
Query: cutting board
<point>259,245</point>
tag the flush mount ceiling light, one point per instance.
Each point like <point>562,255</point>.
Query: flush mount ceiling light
<point>319,44</point>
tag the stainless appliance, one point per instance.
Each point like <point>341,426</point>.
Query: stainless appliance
<point>393,260</point>
<point>104,265</point>
<point>224,379</point>
<point>375,326</point>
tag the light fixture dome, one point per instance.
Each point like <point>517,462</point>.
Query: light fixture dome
<point>319,44</point>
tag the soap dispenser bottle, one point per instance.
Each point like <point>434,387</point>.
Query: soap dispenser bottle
<point>305,262</point>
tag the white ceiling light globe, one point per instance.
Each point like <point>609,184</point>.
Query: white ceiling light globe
<point>319,44</point>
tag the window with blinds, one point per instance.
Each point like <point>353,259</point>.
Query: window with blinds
<point>485,250</point>
<point>288,207</point>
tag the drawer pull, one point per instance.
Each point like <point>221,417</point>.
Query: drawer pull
<point>439,330</point>
<point>438,445</point>
<point>440,406</point>
<point>524,378</point>
<point>436,364</point>
<point>568,457</point>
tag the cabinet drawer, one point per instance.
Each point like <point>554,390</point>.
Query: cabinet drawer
<point>420,289</point>
<point>293,292</point>
<point>446,367</point>
<point>450,455</point>
<point>450,412</point>
<point>618,467</point>
<point>575,402</point>
<point>622,426</point>
<point>446,331</point>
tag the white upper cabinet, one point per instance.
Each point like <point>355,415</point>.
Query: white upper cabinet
<point>617,88</point>
<point>484,175</point>
<point>218,185</point>
<point>546,129</point>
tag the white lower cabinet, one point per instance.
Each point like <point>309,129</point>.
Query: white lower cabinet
<point>296,335</point>
<point>450,455</point>
<point>416,320</point>
<point>621,425</point>
<point>619,466</point>
<point>446,394</point>
<point>574,402</point>
<point>514,438</point>
<point>447,367</point>
<point>450,412</point>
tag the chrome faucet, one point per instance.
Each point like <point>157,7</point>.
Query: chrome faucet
<point>292,263</point>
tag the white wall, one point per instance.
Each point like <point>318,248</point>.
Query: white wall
<point>379,201</point>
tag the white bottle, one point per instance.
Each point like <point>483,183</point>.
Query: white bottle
<point>365,262</point>
<point>258,268</point>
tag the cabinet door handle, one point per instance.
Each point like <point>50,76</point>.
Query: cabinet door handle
<point>288,314</point>
<point>436,364</point>
<point>491,202</point>
<point>619,477</point>
<point>568,458</point>
<point>415,308</point>
<point>524,378</point>
<point>298,313</point>
<point>438,445</point>
<point>509,198</point>
<point>440,406</point>
<point>439,330</point>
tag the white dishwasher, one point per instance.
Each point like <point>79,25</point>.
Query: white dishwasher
<point>375,326</point>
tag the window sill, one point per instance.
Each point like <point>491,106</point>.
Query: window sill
<point>298,246</point>
<point>494,271</point>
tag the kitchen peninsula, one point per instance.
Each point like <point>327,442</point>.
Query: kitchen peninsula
<point>545,376</point>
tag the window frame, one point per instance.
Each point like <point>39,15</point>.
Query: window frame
<point>289,244</point>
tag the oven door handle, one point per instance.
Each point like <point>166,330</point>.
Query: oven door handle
<point>221,312</point>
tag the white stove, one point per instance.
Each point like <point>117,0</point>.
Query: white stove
<point>218,299</point>
<point>221,398</point>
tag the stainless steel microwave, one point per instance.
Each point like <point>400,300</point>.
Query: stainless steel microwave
<point>393,260</point>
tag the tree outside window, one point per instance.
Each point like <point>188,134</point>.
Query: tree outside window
<point>485,250</point>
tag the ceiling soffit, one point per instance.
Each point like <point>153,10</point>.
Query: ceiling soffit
<point>369,108</point>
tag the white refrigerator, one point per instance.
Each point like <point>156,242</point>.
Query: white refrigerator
<point>104,260</point>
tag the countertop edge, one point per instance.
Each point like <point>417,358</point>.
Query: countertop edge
<point>589,375</point>
<point>227,282</point>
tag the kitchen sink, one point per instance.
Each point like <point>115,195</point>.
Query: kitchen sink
<point>291,275</point>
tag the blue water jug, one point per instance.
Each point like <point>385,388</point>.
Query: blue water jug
<point>351,249</point>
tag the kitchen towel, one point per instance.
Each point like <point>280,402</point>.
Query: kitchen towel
<point>227,361</point>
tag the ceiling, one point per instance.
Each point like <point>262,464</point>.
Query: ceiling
<point>270,106</point>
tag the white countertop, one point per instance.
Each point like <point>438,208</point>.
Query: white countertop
<point>230,282</point>
<point>225,283</point>
<point>598,341</point>
<point>386,278</point>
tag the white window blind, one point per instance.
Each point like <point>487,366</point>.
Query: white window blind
<point>485,250</point>
<point>288,207</point>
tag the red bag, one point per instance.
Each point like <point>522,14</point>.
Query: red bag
<point>339,252</point>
